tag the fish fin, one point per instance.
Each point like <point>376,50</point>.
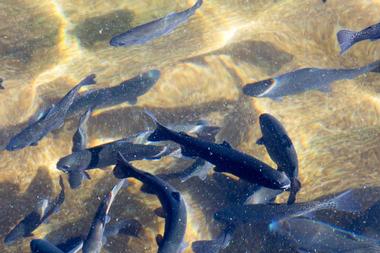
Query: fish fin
<point>197,4</point>
<point>347,202</point>
<point>75,178</point>
<point>89,80</point>
<point>226,144</point>
<point>145,188</point>
<point>80,136</point>
<point>132,101</point>
<point>42,207</point>
<point>208,133</point>
<point>41,114</point>
<point>160,212</point>
<point>178,154</point>
<point>161,133</point>
<point>123,168</point>
<point>188,152</point>
<point>34,144</point>
<point>107,219</point>
<point>295,187</point>
<point>346,39</point>
<point>260,141</point>
<point>88,177</point>
<point>159,239</point>
<point>375,67</point>
<point>176,196</point>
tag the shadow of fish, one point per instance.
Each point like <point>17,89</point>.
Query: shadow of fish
<point>154,29</point>
<point>303,80</point>
<point>47,121</point>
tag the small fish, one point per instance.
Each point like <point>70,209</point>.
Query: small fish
<point>1,84</point>
<point>281,150</point>
<point>216,245</point>
<point>303,80</point>
<point>127,91</point>
<point>173,205</point>
<point>34,219</point>
<point>315,236</point>
<point>94,241</point>
<point>50,120</point>
<point>347,38</point>
<point>44,246</point>
<point>82,159</point>
<point>266,213</point>
<point>154,29</point>
<point>224,157</point>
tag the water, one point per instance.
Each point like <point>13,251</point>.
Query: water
<point>47,46</point>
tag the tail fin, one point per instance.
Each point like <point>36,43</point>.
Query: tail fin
<point>75,178</point>
<point>346,39</point>
<point>161,133</point>
<point>197,4</point>
<point>89,80</point>
<point>346,202</point>
<point>123,169</point>
<point>295,186</point>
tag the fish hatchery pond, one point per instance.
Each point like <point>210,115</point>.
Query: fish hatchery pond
<point>220,74</point>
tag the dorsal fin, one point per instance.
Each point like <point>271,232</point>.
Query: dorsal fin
<point>159,239</point>
<point>226,144</point>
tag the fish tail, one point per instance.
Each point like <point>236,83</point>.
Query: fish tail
<point>123,168</point>
<point>346,202</point>
<point>294,189</point>
<point>346,39</point>
<point>161,133</point>
<point>89,80</point>
<point>198,4</point>
<point>75,178</point>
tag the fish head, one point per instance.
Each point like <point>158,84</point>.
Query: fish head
<point>125,40</point>
<point>16,233</point>
<point>227,215</point>
<point>19,141</point>
<point>270,126</point>
<point>280,180</point>
<point>75,161</point>
<point>260,88</point>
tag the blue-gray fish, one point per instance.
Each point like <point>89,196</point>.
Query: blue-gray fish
<point>1,83</point>
<point>50,120</point>
<point>154,29</point>
<point>127,91</point>
<point>44,246</point>
<point>216,245</point>
<point>266,213</point>
<point>94,241</point>
<point>34,219</point>
<point>303,80</point>
<point>315,236</point>
<point>173,206</point>
<point>347,38</point>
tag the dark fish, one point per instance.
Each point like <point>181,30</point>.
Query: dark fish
<point>267,213</point>
<point>44,246</point>
<point>347,38</point>
<point>127,91</point>
<point>314,236</point>
<point>224,157</point>
<point>101,156</point>
<point>216,245</point>
<point>94,241</point>
<point>173,206</point>
<point>305,79</point>
<point>154,29</point>
<point>281,150</point>
<point>34,219</point>
<point>47,121</point>
<point>1,83</point>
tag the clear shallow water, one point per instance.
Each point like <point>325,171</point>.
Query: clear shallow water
<point>47,46</point>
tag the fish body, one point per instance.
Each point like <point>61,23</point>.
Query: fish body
<point>127,91</point>
<point>94,241</point>
<point>154,29</point>
<point>281,150</point>
<point>315,236</point>
<point>173,205</point>
<point>267,213</point>
<point>50,120</point>
<point>347,38</point>
<point>43,246</point>
<point>216,245</point>
<point>224,157</point>
<point>34,219</point>
<point>302,80</point>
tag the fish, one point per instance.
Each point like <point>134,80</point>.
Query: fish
<point>157,28</point>
<point>215,245</point>
<point>315,236</point>
<point>82,159</point>
<point>224,157</point>
<point>173,205</point>
<point>47,121</point>
<point>281,150</point>
<point>37,217</point>
<point>1,84</point>
<point>94,240</point>
<point>266,213</point>
<point>127,91</point>
<point>44,246</point>
<point>347,38</point>
<point>305,79</point>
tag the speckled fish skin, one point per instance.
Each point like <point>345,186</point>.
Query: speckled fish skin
<point>305,79</point>
<point>281,150</point>
<point>347,38</point>
<point>154,29</point>
<point>53,119</point>
<point>127,91</point>
<point>224,157</point>
<point>315,236</point>
<point>172,203</point>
